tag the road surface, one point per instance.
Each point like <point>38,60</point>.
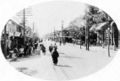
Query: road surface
<point>73,62</point>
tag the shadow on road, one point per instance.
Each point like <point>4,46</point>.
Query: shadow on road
<point>64,66</point>
<point>21,69</point>
<point>61,53</point>
<point>71,57</point>
<point>27,71</point>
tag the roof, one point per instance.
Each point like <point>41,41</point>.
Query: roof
<point>72,28</point>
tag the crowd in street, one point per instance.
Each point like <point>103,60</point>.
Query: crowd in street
<point>14,48</point>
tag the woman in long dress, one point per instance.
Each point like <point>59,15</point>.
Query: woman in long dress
<point>55,55</point>
<point>43,49</point>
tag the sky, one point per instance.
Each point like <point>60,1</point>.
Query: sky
<point>49,15</point>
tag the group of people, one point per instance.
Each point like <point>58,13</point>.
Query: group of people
<point>14,47</point>
<point>53,50</point>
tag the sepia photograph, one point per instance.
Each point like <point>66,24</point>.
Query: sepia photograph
<point>60,40</point>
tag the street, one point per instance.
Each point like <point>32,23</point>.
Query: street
<point>73,62</point>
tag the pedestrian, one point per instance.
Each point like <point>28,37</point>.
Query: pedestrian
<point>26,49</point>
<point>14,54</point>
<point>55,55</point>
<point>36,45</point>
<point>21,51</point>
<point>51,48</point>
<point>55,46</point>
<point>80,44</point>
<point>60,42</point>
<point>43,49</point>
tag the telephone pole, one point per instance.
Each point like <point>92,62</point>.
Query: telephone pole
<point>54,34</point>
<point>109,42</point>
<point>87,32</point>
<point>24,24</point>
<point>25,15</point>
<point>33,27</point>
<point>62,24</point>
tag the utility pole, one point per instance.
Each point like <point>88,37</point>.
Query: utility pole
<point>62,23</point>
<point>33,31</point>
<point>87,34</point>
<point>24,23</point>
<point>87,38</point>
<point>109,42</point>
<point>33,27</point>
<point>25,16</point>
<point>54,34</point>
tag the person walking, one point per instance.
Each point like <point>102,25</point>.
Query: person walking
<point>15,54</point>
<point>43,49</point>
<point>55,55</point>
<point>26,49</point>
<point>51,48</point>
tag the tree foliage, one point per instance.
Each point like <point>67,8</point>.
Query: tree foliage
<point>96,16</point>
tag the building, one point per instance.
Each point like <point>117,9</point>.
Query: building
<point>13,29</point>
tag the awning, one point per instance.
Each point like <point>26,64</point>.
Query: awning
<point>93,27</point>
<point>17,34</point>
<point>100,26</point>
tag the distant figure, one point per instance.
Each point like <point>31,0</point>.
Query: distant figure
<point>35,45</point>
<point>55,46</point>
<point>26,49</point>
<point>55,55</point>
<point>43,49</point>
<point>14,58</point>
<point>60,42</point>
<point>51,48</point>
<point>14,54</point>
<point>80,44</point>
